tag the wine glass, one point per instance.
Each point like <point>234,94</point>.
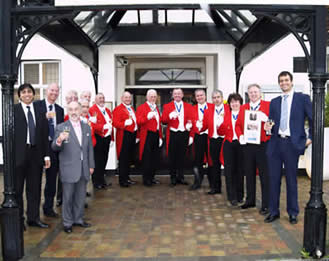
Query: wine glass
<point>271,122</point>
<point>67,130</point>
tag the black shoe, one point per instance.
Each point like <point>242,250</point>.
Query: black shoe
<point>59,202</point>
<point>131,182</point>
<point>182,182</point>
<point>50,213</point>
<point>99,187</point>
<point>155,181</point>
<point>214,191</point>
<point>240,201</point>
<point>246,205</point>
<point>293,219</point>
<point>37,223</point>
<point>88,194</point>
<point>107,185</point>
<point>83,224</point>
<point>263,211</point>
<point>124,185</point>
<point>68,230</point>
<point>195,186</point>
<point>270,218</point>
<point>148,183</point>
<point>234,203</point>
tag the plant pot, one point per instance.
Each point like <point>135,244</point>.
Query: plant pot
<point>308,157</point>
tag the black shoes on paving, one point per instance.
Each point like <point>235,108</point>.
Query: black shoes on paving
<point>270,218</point>
<point>246,206</point>
<point>214,191</point>
<point>293,219</point>
<point>37,223</point>
<point>70,230</point>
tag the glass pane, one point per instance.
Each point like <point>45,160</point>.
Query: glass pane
<point>130,17</point>
<point>169,76</point>
<point>179,16</point>
<point>50,73</point>
<point>31,73</point>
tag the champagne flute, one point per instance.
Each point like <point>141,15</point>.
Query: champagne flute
<point>271,123</point>
<point>67,130</point>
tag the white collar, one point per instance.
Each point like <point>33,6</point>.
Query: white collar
<point>48,103</point>
<point>289,93</point>
<point>101,108</point>
<point>254,104</point>
<point>178,103</point>
<point>235,112</point>
<point>25,105</point>
<point>202,105</point>
<point>127,106</point>
<point>150,104</point>
<point>220,106</point>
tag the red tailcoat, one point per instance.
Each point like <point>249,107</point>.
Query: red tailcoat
<point>239,125</point>
<point>99,125</point>
<point>120,115</point>
<point>146,125</point>
<point>173,123</point>
<point>208,123</point>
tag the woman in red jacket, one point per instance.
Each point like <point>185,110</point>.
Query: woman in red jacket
<point>232,152</point>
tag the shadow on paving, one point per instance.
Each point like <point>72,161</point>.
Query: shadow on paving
<point>163,223</point>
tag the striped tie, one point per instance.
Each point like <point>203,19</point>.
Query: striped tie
<point>284,113</point>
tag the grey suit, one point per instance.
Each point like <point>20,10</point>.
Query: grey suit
<point>75,160</point>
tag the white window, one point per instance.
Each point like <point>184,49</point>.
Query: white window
<point>39,74</point>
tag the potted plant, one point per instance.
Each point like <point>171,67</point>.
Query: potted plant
<point>308,152</point>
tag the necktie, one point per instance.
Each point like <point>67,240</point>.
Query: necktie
<point>31,126</point>
<point>284,113</point>
<point>51,128</point>
<point>104,111</point>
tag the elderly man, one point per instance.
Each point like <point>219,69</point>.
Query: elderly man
<point>70,96</point>
<point>76,162</point>
<point>103,135</point>
<point>178,116</point>
<point>255,154</point>
<point>31,153</point>
<point>148,120</point>
<point>124,120</point>
<point>55,115</point>
<point>85,95</point>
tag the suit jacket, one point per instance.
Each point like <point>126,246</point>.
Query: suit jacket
<point>120,115</point>
<point>20,125</point>
<point>146,125</point>
<point>239,125</point>
<point>70,165</point>
<point>301,108</point>
<point>174,123</point>
<point>58,109</point>
<point>98,126</point>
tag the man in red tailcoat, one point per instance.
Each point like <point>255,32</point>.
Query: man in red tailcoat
<point>124,120</point>
<point>178,116</point>
<point>148,120</point>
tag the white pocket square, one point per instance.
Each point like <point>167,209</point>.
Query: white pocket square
<point>87,134</point>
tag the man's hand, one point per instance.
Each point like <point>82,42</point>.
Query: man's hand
<point>137,140</point>
<point>128,122</point>
<point>308,142</point>
<point>242,140</point>
<point>50,115</point>
<point>263,116</point>
<point>93,119</point>
<point>199,125</point>
<point>151,115</point>
<point>91,170</point>
<point>160,142</point>
<point>47,164</point>
<point>188,126</point>
<point>62,136</point>
<point>190,141</point>
<point>173,115</point>
<point>268,126</point>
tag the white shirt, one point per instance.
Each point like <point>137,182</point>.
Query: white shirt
<point>27,121</point>
<point>234,118</point>
<point>132,114</point>
<point>104,113</point>
<point>289,101</point>
<point>254,106</point>
<point>53,109</point>
<point>218,116</point>
<point>153,108</point>
<point>202,107</point>
<point>180,109</point>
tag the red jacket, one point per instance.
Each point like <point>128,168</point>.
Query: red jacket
<point>146,125</point>
<point>173,123</point>
<point>120,115</point>
<point>101,121</point>
<point>239,125</point>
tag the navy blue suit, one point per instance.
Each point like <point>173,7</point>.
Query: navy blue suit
<point>51,173</point>
<point>287,150</point>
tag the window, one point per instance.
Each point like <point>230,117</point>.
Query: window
<point>40,74</point>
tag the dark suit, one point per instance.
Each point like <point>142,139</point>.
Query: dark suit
<point>29,160</point>
<point>287,150</point>
<point>51,173</point>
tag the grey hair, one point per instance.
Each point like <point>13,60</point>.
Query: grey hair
<point>150,91</point>
<point>254,85</point>
<point>216,92</point>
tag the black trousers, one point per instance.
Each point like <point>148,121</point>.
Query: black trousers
<point>126,155</point>
<point>150,156</point>
<point>178,143</point>
<point>51,180</point>
<point>255,157</point>
<point>101,151</point>
<point>31,172</point>
<point>215,171</point>
<point>233,169</point>
<point>200,150</point>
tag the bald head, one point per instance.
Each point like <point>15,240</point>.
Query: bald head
<point>126,98</point>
